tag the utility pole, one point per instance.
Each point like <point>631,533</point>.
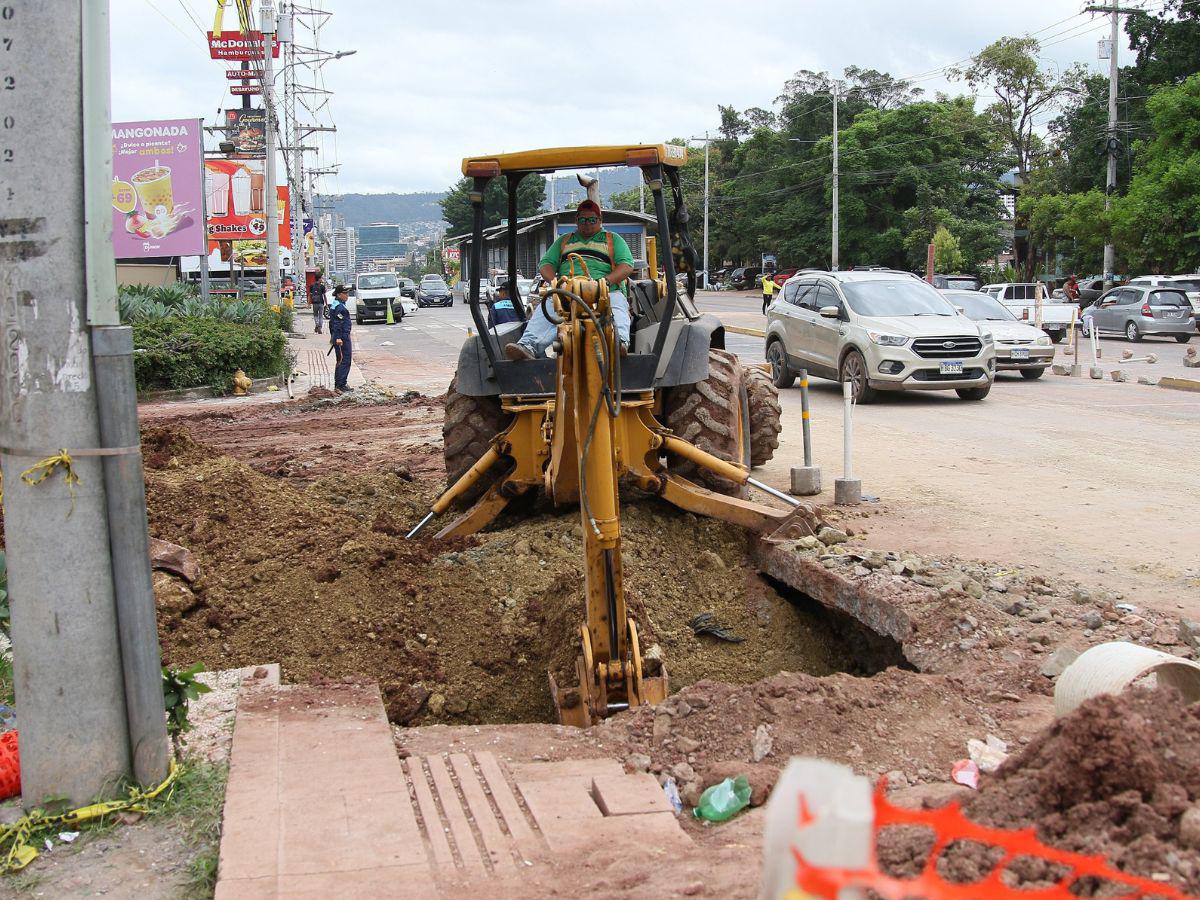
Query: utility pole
<point>707,141</point>
<point>837,86</point>
<point>66,535</point>
<point>553,182</point>
<point>1110,262</point>
<point>270,200</point>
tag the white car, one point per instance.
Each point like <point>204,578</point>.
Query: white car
<point>1019,346</point>
<point>1021,300</point>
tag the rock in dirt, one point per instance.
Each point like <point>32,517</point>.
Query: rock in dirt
<point>637,762</point>
<point>760,746</point>
<point>1189,633</point>
<point>1056,663</point>
<point>1189,828</point>
<point>762,778</point>
<point>830,536</point>
<point>169,557</point>
<point>934,795</point>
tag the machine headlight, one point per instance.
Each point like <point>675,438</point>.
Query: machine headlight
<point>1043,340</point>
<point>987,338</point>
<point>887,340</point>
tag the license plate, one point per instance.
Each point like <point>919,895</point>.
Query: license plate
<point>951,368</point>
<point>1020,353</point>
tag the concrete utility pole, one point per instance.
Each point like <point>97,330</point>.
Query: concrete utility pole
<point>837,86</point>
<point>1110,262</point>
<point>72,669</point>
<point>704,281</point>
<point>270,200</point>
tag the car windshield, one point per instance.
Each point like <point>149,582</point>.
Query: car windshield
<point>899,297</point>
<point>374,282</point>
<point>981,307</point>
<point>435,283</point>
<point>1168,298</point>
<point>962,284</point>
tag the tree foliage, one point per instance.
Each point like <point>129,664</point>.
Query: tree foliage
<point>947,257</point>
<point>458,212</point>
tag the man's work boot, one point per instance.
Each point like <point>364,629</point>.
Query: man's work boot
<point>516,352</point>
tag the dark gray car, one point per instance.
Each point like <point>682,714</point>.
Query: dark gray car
<point>1140,311</point>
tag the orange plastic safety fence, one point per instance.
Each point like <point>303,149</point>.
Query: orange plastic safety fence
<point>10,766</point>
<point>949,825</point>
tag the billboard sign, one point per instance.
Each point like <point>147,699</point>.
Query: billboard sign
<point>247,128</point>
<point>240,45</point>
<point>156,188</point>
<point>235,191</point>
<point>240,74</point>
<point>239,89</point>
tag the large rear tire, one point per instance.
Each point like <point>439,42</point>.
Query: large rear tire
<point>765,414</point>
<point>467,432</point>
<point>713,415</point>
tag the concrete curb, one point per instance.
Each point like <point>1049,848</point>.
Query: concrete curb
<point>1180,384</point>
<point>257,386</point>
<point>753,332</point>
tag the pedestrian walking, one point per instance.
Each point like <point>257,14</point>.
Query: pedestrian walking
<point>339,337</point>
<point>316,296</point>
<point>768,288</point>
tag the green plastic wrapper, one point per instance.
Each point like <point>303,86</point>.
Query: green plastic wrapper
<point>723,801</point>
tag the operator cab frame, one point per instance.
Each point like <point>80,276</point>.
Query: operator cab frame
<point>658,356</point>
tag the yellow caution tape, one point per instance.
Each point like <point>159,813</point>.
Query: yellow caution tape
<point>14,839</point>
<point>40,471</point>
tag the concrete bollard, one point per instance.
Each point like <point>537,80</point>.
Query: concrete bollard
<point>1147,379</point>
<point>1097,372</point>
<point>1190,359</point>
<point>1148,358</point>
<point>1118,375</point>
<point>1059,369</point>
<point>806,480</point>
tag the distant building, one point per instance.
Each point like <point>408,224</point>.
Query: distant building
<point>380,240</point>
<point>344,251</point>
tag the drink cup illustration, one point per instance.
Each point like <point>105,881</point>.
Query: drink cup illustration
<point>258,184</point>
<point>153,186</point>
<point>241,192</point>
<point>216,190</point>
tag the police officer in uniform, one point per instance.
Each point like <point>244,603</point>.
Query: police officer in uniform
<point>339,337</point>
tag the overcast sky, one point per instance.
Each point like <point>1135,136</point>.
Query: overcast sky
<point>432,82</point>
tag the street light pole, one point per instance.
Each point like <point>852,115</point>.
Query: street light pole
<point>706,143</point>
<point>270,200</point>
<point>834,246</point>
<point>1111,182</point>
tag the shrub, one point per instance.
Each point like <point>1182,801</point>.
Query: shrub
<point>176,352</point>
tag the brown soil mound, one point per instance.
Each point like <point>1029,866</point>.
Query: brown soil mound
<point>1114,778</point>
<point>320,579</point>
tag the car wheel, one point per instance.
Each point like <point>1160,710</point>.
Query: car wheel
<point>781,377</point>
<point>854,370</point>
<point>980,392</point>
<point>1057,336</point>
<point>1032,374</point>
<point>1131,332</point>
<point>1183,338</point>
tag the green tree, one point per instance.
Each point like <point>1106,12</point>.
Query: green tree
<point>947,257</point>
<point>458,212</point>
<point>1156,225</point>
<point>1167,44</point>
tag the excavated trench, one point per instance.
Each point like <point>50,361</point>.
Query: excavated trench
<point>465,631</point>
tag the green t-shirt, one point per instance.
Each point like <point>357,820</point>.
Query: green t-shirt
<point>597,244</point>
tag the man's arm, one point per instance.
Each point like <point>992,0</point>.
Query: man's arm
<point>548,272</point>
<point>622,261</point>
<point>550,260</point>
<point>619,274</point>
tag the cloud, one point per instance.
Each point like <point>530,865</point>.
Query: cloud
<point>434,82</point>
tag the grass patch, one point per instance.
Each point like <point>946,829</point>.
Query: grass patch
<point>195,806</point>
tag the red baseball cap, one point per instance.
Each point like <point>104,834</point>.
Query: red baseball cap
<point>587,206</point>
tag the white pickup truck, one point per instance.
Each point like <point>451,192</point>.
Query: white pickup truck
<point>1021,300</point>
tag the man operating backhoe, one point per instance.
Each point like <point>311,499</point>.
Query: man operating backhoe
<point>607,256</point>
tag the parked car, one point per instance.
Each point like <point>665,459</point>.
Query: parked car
<point>408,287</point>
<point>745,278</point>
<point>432,291</point>
<point>373,291</point>
<point>879,331</point>
<point>1019,346</point>
<point>1189,284</point>
<point>782,276</point>
<point>1021,300</point>
<point>956,282</point>
<point>1140,310</point>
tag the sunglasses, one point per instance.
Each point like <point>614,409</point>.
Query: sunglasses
<point>588,220</point>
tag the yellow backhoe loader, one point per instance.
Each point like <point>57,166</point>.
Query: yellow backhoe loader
<point>678,417</point>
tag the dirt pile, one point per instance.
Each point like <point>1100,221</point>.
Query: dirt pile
<point>318,577</point>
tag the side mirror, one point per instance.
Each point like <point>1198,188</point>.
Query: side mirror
<point>828,312</point>
<point>961,311</point>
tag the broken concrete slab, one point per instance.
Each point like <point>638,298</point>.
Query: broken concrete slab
<point>175,559</point>
<point>629,795</point>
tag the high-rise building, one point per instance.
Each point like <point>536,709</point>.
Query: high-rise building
<point>378,241</point>
<point>344,250</point>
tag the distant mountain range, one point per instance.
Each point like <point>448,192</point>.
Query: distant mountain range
<point>364,209</point>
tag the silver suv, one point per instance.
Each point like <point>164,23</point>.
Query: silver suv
<point>881,331</point>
